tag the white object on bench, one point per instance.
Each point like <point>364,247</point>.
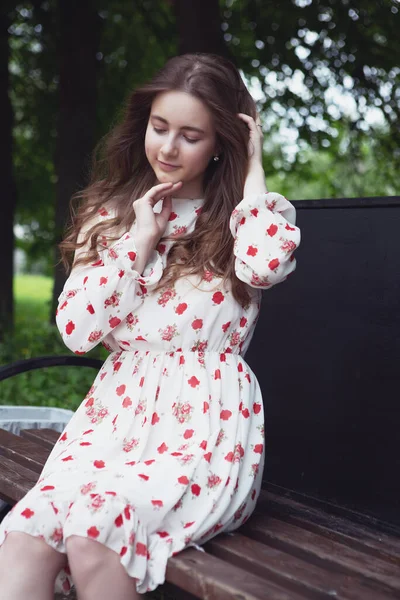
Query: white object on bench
<point>15,418</point>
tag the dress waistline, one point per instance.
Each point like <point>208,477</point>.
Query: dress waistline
<point>221,353</point>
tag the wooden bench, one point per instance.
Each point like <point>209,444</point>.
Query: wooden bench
<point>290,548</point>
<point>293,547</point>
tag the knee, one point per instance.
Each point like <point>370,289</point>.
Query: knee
<point>84,555</point>
<point>19,547</point>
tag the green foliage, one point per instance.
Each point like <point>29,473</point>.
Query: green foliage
<point>135,43</point>
<point>295,53</point>
<point>338,171</point>
<point>301,50</point>
<point>34,96</point>
<point>63,387</point>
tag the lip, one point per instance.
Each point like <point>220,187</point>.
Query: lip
<point>166,166</point>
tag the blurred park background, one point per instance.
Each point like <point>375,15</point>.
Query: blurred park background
<point>324,72</point>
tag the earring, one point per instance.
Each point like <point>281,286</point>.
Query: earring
<point>216,158</point>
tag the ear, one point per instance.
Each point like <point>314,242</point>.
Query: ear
<point>217,150</point>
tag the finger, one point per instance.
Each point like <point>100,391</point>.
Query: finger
<point>166,208</point>
<point>251,124</point>
<point>245,118</point>
<point>159,191</point>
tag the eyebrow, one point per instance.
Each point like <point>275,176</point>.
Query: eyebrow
<point>186,127</point>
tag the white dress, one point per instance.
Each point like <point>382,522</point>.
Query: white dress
<point>167,448</point>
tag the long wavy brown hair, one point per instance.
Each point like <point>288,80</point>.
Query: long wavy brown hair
<point>121,172</point>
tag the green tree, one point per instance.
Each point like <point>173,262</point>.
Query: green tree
<point>294,54</point>
<point>302,51</point>
<point>8,182</point>
<point>79,36</point>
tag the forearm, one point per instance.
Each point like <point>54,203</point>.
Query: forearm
<point>255,181</point>
<point>98,297</point>
<point>144,248</point>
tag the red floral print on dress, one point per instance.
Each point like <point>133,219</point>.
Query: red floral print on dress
<point>97,503</point>
<point>213,480</point>
<point>93,532</point>
<point>272,230</point>
<point>235,338</point>
<point>180,384</point>
<point>169,332</point>
<point>197,324</point>
<point>69,328</point>
<point>57,535</point>
<point>208,276</point>
<point>166,296</point>
<point>179,231</point>
<point>113,300</point>
<point>182,411</point>
<point>141,549</point>
<point>112,254</point>
<point>180,309</point>
<point>218,297</point>
<point>130,445</point>
<point>193,381</point>
<point>95,336</point>
<point>131,321</point>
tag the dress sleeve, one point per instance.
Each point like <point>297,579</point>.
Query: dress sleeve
<point>97,297</point>
<point>265,236</point>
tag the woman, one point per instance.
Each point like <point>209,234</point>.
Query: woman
<point>174,241</point>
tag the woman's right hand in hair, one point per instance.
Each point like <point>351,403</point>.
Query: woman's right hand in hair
<point>150,226</point>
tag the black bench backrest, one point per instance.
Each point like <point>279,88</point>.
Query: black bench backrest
<point>327,355</point>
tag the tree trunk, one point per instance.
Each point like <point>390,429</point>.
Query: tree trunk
<point>79,27</point>
<point>8,188</point>
<point>199,27</point>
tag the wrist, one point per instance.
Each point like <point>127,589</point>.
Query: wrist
<point>256,169</point>
<point>255,180</point>
<point>144,243</point>
<point>144,247</point>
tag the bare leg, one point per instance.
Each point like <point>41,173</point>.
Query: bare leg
<point>97,572</point>
<point>28,568</point>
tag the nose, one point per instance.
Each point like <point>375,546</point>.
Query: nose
<point>169,148</point>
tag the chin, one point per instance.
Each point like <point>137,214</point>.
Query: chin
<point>167,177</point>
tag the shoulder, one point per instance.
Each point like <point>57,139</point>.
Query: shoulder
<point>103,221</point>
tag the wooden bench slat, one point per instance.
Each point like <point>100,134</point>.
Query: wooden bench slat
<point>15,480</point>
<point>45,437</point>
<point>24,452</point>
<point>289,551</point>
<point>207,576</point>
<point>321,551</point>
<point>335,528</point>
<point>352,515</point>
<point>287,570</point>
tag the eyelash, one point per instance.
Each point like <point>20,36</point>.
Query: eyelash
<point>189,140</point>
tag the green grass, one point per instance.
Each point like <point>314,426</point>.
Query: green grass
<point>32,294</point>
<point>34,336</point>
<point>33,288</point>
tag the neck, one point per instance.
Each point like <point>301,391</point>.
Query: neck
<point>191,190</point>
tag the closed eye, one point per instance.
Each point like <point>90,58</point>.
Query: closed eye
<point>161,131</point>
